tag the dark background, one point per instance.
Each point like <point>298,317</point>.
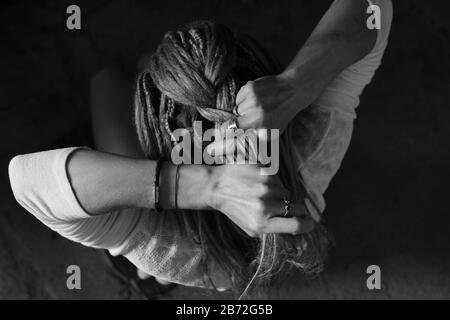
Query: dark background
<point>388,205</point>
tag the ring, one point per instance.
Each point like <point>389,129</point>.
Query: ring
<point>233,125</point>
<point>287,206</point>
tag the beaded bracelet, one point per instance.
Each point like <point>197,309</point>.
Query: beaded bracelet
<point>156,185</point>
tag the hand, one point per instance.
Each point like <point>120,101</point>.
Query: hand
<point>255,202</point>
<point>269,103</point>
<point>266,103</point>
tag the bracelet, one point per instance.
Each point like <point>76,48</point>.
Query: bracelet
<point>156,185</point>
<point>177,178</point>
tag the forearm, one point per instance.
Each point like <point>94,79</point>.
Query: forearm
<point>316,65</point>
<point>340,39</point>
<point>104,182</point>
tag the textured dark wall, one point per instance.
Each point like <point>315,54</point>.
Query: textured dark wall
<point>386,206</point>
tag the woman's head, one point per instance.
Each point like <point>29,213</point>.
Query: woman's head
<point>194,75</point>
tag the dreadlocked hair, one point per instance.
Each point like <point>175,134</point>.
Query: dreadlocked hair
<point>195,74</point>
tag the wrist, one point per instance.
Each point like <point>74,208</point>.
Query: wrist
<point>214,177</point>
<point>195,187</point>
<point>291,75</point>
<point>302,87</point>
<point>167,186</point>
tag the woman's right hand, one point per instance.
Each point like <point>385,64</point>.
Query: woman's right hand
<point>255,202</point>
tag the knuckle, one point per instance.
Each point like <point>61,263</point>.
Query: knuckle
<point>253,99</point>
<point>252,234</point>
<point>264,190</point>
<point>258,226</point>
<point>265,179</point>
<point>259,206</point>
<point>269,209</point>
<point>297,227</point>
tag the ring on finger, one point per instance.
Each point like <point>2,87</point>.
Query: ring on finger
<point>233,125</point>
<point>287,206</point>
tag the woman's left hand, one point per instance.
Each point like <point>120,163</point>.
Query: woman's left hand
<point>268,103</point>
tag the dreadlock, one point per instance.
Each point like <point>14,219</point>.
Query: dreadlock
<point>195,74</point>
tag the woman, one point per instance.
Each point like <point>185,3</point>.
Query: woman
<point>215,226</point>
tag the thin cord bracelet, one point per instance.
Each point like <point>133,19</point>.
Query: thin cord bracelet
<point>156,185</point>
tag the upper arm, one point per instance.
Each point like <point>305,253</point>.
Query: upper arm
<point>322,133</point>
<point>346,21</point>
<point>340,39</point>
<point>40,184</point>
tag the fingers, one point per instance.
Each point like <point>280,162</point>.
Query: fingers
<point>142,274</point>
<point>243,228</point>
<point>236,139</point>
<point>249,111</point>
<point>298,210</point>
<point>275,196</point>
<point>222,147</point>
<point>245,105</point>
<point>277,207</point>
<point>297,222</point>
<point>225,145</point>
<point>242,94</point>
<point>292,225</point>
